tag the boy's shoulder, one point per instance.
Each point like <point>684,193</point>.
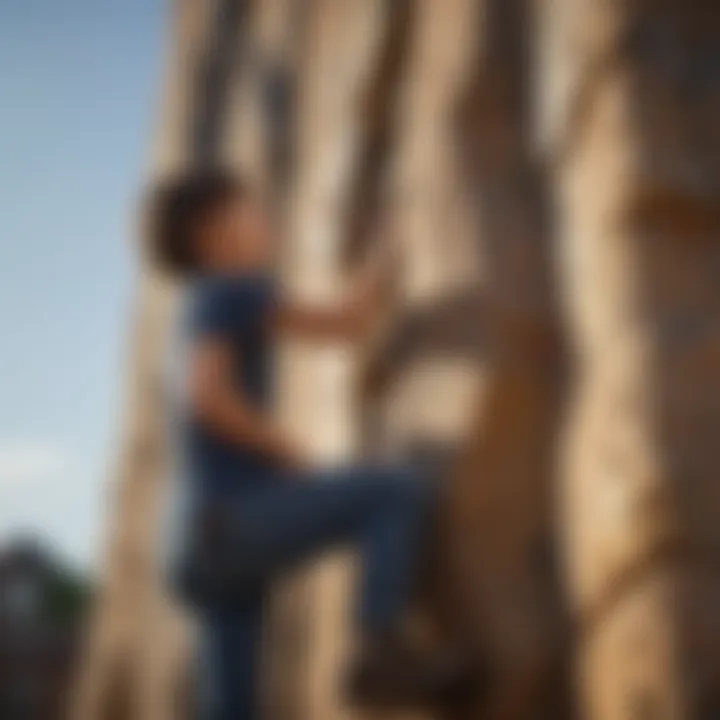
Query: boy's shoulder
<point>223,289</point>
<point>228,301</point>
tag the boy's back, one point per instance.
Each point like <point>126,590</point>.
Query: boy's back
<point>235,309</point>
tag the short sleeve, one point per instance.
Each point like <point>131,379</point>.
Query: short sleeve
<point>231,307</point>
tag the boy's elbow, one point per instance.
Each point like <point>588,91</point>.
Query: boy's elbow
<point>205,401</point>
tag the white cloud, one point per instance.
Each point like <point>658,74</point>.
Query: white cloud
<point>29,463</point>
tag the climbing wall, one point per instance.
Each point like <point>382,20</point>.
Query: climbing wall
<point>550,172</point>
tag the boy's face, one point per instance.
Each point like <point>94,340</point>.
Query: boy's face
<point>237,237</point>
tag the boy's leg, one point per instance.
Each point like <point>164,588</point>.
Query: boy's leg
<point>383,511</point>
<point>229,661</point>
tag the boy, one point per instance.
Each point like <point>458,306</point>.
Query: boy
<point>257,508</point>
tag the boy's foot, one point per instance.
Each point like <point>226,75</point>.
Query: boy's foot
<point>389,673</point>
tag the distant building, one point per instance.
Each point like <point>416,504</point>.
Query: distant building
<point>42,606</point>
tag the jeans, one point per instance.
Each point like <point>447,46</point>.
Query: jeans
<point>382,512</point>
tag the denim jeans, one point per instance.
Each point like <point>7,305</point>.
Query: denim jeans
<point>380,511</point>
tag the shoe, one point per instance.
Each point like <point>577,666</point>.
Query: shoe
<point>389,673</point>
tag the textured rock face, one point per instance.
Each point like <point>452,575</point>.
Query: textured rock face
<point>439,113</point>
<point>637,166</point>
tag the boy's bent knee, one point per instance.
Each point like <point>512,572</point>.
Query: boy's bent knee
<point>411,487</point>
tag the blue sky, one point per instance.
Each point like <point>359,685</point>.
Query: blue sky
<point>78,81</point>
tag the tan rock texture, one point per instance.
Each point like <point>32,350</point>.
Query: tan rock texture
<point>635,155</point>
<point>551,171</point>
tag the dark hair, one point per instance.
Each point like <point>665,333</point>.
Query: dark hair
<point>177,209</point>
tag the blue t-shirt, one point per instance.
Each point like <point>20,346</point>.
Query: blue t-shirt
<point>236,310</point>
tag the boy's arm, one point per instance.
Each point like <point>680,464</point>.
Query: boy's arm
<point>353,318</point>
<point>220,406</point>
<point>349,321</point>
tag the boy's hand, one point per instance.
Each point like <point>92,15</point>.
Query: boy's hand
<point>371,289</point>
